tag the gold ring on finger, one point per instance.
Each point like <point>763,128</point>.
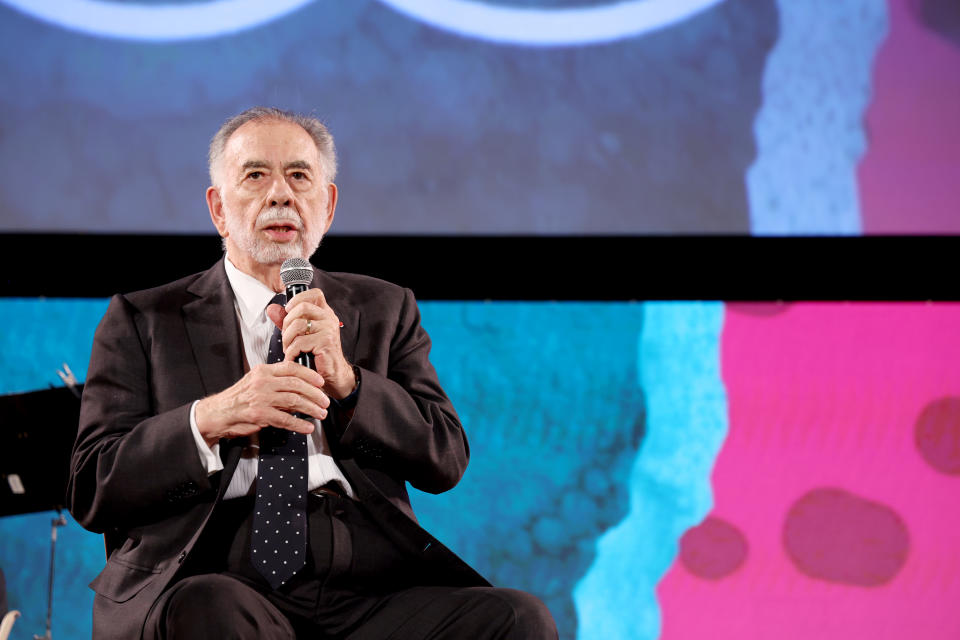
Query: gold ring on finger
<point>309,325</point>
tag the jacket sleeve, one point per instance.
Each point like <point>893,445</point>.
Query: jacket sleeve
<point>403,422</point>
<point>131,464</point>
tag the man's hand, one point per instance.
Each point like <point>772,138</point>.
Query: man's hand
<point>266,396</point>
<point>309,325</point>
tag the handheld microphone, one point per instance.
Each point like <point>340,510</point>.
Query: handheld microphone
<point>297,274</point>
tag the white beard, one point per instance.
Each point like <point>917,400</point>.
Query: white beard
<point>265,251</point>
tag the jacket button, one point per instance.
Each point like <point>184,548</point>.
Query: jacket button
<point>180,558</point>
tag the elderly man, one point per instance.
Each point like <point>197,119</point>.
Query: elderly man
<point>243,495</point>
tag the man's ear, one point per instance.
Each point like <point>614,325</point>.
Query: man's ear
<point>331,206</point>
<point>215,205</point>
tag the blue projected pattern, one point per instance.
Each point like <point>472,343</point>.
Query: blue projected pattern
<point>157,22</point>
<point>547,26</point>
<point>452,116</point>
<point>810,133</point>
<point>577,438</point>
<point>529,25</point>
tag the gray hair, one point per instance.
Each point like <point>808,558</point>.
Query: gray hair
<point>317,130</point>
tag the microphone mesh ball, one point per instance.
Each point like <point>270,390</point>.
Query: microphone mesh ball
<point>296,271</point>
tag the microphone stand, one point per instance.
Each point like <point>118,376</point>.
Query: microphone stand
<point>59,521</point>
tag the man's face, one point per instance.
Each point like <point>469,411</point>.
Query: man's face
<point>272,201</point>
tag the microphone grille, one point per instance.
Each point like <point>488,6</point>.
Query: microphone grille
<point>296,271</point>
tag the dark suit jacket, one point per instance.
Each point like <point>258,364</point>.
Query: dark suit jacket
<point>137,476</point>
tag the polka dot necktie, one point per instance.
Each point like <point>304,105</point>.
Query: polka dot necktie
<point>278,544</point>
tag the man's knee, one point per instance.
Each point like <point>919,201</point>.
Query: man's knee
<point>215,606</point>
<point>531,618</point>
<point>201,595</point>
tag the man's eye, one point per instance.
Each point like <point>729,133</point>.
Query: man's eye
<point>255,175</point>
<point>298,175</point>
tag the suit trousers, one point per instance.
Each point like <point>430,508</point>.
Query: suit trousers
<point>356,584</point>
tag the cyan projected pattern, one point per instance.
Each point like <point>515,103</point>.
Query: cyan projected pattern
<point>670,490</point>
<point>593,429</point>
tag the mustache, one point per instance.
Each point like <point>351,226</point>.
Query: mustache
<point>281,215</point>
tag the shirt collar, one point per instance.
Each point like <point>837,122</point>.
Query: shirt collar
<point>252,296</point>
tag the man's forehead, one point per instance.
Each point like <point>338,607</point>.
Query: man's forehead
<point>271,140</point>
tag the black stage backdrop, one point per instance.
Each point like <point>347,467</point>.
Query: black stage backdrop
<point>727,268</point>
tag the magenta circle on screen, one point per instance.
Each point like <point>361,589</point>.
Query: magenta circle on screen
<point>713,549</point>
<point>937,435</point>
<point>834,535</point>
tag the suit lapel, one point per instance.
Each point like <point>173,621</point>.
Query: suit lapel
<point>338,299</point>
<point>211,324</point>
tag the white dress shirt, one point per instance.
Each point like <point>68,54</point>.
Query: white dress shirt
<point>251,298</point>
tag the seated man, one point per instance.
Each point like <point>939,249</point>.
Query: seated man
<point>230,512</point>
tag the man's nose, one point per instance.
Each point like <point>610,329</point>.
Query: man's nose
<point>280,194</point>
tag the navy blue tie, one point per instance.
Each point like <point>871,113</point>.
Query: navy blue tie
<point>278,544</point>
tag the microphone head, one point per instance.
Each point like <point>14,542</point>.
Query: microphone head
<point>296,271</point>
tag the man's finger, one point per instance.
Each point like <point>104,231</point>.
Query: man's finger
<point>276,313</point>
<point>288,368</point>
<point>312,296</point>
<point>298,327</point>
<point>305,390</point>
<point>283,420</point>
<point>304,344</point>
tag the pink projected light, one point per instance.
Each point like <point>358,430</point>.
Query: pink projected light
<point>837,490</point>
<point>909,175</point>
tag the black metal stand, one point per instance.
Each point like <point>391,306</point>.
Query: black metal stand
<point>37,430</point>
<point>59,521</point>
